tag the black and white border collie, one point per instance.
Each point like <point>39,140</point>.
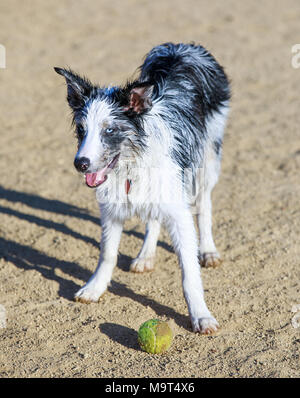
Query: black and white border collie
<point>153,149</point>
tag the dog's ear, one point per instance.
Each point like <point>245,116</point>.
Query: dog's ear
<point>140,98</point>
<point>79,88</point>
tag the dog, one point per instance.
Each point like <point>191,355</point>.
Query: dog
<point>152,148</point>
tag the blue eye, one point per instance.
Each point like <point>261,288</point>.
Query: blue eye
<point>109,130</point>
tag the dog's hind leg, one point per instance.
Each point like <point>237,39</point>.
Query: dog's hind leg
<point>110,240</point>
<point>208,254</point>
<point>145,259</point>
<point>181,227</point>
<point>209,174</point>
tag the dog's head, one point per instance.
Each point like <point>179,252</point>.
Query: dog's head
<point>109,124</point>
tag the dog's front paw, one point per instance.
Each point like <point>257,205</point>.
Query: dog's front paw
<point>212,260</point>
<point>142,264</point>
<point>88,294</point>
<point>205,325</point>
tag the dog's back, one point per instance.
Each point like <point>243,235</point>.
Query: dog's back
<point>192,89</point>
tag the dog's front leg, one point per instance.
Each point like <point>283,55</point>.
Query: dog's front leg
<point>97,285</point>
<point>182,231</point>
<point>145,259</point>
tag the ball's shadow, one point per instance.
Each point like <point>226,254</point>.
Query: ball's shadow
<point>121,334</point>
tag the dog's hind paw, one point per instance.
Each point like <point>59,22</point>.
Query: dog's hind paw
<point>143,264</point>
<point>211,260</point>
<point>206,325</point>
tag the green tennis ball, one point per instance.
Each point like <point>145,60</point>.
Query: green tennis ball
<point>155,336</point>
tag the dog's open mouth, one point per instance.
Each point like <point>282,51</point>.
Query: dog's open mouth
<point>93,180</point>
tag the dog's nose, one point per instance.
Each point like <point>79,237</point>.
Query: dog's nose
<point>82,164</point>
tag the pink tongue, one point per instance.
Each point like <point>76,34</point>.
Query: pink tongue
<point>93,179</point>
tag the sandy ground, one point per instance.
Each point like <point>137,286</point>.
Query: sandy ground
<point>49,228</point>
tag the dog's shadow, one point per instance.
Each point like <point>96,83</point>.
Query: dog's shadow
<point>121,290</point>
<point>29,258</point>
<point>58,207</point>
<point>129,337</point>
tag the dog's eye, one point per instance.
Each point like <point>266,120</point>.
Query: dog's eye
<point>109,130</point>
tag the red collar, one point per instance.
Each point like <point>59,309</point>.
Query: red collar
<point>127,186</point>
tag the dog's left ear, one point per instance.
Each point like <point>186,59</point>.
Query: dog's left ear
<point>79,88</point>
<point>140,98</point>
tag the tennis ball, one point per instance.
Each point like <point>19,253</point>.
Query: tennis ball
<point>155,336</point>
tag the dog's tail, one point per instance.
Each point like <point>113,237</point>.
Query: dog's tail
<point>165,58</point>
<point>188,66</point>
<point>159,61</point>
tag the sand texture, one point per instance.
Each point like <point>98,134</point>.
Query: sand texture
<point>49,222</point>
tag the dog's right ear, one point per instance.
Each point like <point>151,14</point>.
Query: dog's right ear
<point>139,98</point>
<point>79,88</point>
